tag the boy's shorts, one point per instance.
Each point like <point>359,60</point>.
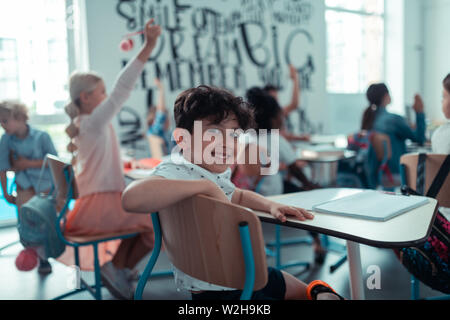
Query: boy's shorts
<point>275,289</point>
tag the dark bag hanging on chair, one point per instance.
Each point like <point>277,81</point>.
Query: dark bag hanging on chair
<point>37,224</point>
<point>428,262</point>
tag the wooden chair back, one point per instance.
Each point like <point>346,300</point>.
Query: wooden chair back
<point>432,166</point>
<point>201,238</point>
<point>59,180</point>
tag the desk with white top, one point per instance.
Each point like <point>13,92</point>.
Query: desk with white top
<point>406,230</point>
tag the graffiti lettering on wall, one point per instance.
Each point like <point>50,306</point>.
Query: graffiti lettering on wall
<point>203,45</point>
<point>233,44</point>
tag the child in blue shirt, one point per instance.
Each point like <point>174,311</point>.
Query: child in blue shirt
<point>22,150</point>
<point>377,118</point>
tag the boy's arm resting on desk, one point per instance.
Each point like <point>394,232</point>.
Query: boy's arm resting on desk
<point>252,200</point>
<point>156,193</point>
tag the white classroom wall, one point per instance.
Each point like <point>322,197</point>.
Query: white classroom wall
<point>300,34</point>
<point>437,54</point>
<point>416,57</point>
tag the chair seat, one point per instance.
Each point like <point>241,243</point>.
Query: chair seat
<point>100,237</point>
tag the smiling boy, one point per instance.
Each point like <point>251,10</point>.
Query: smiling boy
<point>208,121</point>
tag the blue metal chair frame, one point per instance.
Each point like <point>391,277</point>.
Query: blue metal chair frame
<point>94,290</point>
<point>246,247</point>
<point>278,243</point>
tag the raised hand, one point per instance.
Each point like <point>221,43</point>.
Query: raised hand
<point>418,104</point>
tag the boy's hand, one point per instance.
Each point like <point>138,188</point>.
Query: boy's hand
<point>280,212</point>
<point>20,164</point>
<point>152,33</point>
<point>10,199</point>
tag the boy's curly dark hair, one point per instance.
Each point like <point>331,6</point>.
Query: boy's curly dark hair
<point>214,104</point>
<point>265,107</point>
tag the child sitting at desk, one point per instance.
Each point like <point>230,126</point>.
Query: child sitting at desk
<point>269,116</point>
<point>23,149</point>
<point>292,106</point>
<point>99,174</point>
<point>214,112</point>
<point>377,118</point>
<point>440,141</point>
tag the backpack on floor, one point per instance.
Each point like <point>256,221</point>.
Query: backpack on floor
<point>37,227</point>
<point>429,262</point>
<point>37,223</point>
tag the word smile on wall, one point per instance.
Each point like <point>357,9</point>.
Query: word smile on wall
<point>217,43</point>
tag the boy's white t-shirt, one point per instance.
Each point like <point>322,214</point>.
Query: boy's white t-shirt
<point>176,167</point>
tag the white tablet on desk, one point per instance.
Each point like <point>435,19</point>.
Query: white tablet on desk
<point>371,205</point>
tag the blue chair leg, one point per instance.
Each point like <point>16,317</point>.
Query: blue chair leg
<point>278,245</point>
<point>155,254</point>
<point>249,261</point>
<point>415,288</point>
<point>98,280</point>
<point>336,247</point>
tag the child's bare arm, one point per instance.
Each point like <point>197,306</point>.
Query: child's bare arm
<point>161,106</point>
<point>156,193</point>
<point>257,202</point>
<point>22,163</point>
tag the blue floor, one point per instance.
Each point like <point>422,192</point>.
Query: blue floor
<point>7,211</point>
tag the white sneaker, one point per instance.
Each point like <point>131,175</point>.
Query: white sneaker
<point>115,280</point>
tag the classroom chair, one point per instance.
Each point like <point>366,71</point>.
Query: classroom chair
<point>381,144</point>
<point>213,241</point>
<point>421,184</point>
<point>279,243</point>
<point>66,190</point>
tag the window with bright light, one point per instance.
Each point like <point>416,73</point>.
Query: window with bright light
<point>355,44</point>
<point>33,54</point>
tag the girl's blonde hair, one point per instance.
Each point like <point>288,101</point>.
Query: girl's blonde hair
<point>16,109</point>
<point>79,82</point>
